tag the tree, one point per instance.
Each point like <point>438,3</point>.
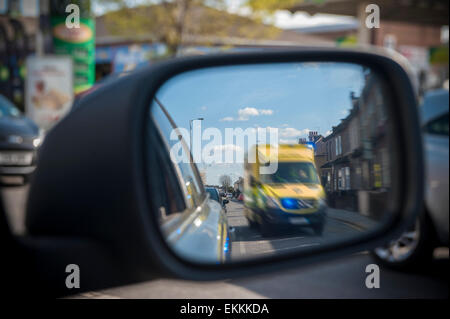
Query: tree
<point>271,6</point>
<point>225,182</point>
<point>169,21</point>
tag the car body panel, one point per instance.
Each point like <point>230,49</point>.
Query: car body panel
<point>18,135</point>
<point>436,149</point>
<point>200,232</point>
<point>202,236</point>
<point>436,192</point>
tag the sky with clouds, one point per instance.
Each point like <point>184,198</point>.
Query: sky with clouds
<point>294,98</point>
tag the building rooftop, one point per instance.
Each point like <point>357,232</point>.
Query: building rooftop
<point>258,34</point>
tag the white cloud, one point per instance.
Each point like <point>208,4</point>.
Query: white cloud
<point>247,112</point>
<point>227,119</point>
<point>290,132</point>
<point>266,112</point>
<point>203,108</point>
<point>288,141</point>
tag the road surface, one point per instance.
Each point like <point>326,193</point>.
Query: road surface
<point>247,242</point>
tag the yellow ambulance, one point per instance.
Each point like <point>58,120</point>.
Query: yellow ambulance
<point>290,194</point>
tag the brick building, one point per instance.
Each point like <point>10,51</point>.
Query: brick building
<point>354,160</point>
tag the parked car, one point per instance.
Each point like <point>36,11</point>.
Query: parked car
<point>214,195</point>
<point>184,199</point>
<point>19,140</point>
<point>415,247</point>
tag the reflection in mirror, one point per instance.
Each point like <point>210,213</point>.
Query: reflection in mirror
<point>302,153</point>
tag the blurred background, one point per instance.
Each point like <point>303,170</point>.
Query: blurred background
<point>119,35</point>
<point>52,54</point>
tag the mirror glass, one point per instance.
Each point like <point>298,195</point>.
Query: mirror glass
<point>285,157</point>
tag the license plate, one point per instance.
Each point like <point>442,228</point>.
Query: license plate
<point>18,158</point>
<point>299,221</point>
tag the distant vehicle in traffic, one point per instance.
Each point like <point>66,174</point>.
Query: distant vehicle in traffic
<point>214,195</point>
<point>19,140</point>
<point>292,195</point>
<point>415,247</point>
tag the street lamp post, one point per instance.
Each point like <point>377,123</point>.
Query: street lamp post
<point>190,134</point>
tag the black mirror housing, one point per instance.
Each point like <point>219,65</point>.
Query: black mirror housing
<point>108,201</point>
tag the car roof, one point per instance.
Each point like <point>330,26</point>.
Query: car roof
<point>212,189</point>
<point>434,105</point>
<point>5,102</point>
<point>285,153</point>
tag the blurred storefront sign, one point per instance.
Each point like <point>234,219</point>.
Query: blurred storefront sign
<point>429,64</point>
<point>3,6</point>
<point>5,86</point>
<point>390,41</point>
<point>417,56</point>
<point>23,8</point>
<point>439,55</point>
<point>49,89</point>
<point>79,43</point>
<point>419,62</point>
<point>123,58</point>
<point>18,50</point>
<point>127,58</point>
<point>347,41</point>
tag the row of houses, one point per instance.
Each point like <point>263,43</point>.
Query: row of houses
<point>354,160</point>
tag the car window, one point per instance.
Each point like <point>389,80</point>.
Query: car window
<point>171,200</point>
<point>213,194</point>
<point>438,126</point>
<point>8,109</point>
<point>188,176</point>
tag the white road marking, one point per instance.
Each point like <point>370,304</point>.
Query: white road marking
<point>272,240</point>
<point>242,248</point>
<point>293,247</point>
<point>93,295</point>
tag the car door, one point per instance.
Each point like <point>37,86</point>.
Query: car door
<point>199,223</point>
<point>436,144</point>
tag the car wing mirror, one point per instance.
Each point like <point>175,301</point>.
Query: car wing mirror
<point>347,117</point>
